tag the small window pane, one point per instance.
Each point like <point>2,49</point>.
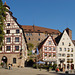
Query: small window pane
<point>17,31</point>
<point>45,48</point>
<point>60,49</point>
<point>8,24</point>
<point>8,48</point>
<point>16,39</point>
<point>8,32</point>
<point>49,42</point>
<point>14,60</point>
<point>8,39</point>
<point>16,48</point>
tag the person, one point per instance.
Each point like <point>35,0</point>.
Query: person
<point>57,69</point>
<point>9,66</point>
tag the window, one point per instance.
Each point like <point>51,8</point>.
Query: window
<point>8,48</point>
<point>49,42</point>
<point>68,49</point>
<point>45,54</point>
<point>49,48</point>
<point>62,43</point>
<point>53,54</point>
<point>26,34</point>
<point>71,60</point>
<point>50,55</point>
<point>8,24</point>
<point>71,49</point>
<point>53,49</point>
<point>68,55</point>
<point>71,55</point>
<point>1,48</point>
<point>8,39</point>
<point>45,48</point>
<point>64,49</point>
<point>14,60</point>
<point>69,44</point>
<point>60,49</point>
<point>63,55</point>
<point>39,34</point>
<point>16,39</point>
<point>59,55</point>
<point>29,38</point>
<point>8,32</point>
<point>68,60</point>
<point>38,39</point>
<point>16,48</point>
<point>17,31</point>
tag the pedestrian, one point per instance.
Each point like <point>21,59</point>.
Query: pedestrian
<point>9,66</point>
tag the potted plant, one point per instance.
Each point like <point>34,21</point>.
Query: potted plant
<point>2,64</point>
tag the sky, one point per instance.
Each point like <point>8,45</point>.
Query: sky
<point>53,14</point>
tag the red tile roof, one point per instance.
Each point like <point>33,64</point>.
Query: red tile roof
<point>73,42</point>
<point>39,29</point>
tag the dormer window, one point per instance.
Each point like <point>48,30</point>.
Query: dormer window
<point>17,31</point>
<point>8,24</point>
<point>39,34</point>
<point>38,30</point>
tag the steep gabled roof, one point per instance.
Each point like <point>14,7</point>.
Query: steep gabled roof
<point>73,42</point>
<point>57,39</point>
<point>39,29</point>
<point>42,43</point>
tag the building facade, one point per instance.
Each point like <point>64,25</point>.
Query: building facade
<point>65,52</point>
<point>35,34</point>
<point>14,50</point>
<point>47,51</point>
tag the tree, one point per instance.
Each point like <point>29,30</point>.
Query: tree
<point>2,18</point>
<point>30,46</point>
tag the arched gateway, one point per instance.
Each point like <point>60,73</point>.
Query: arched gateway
<point>4,59</point>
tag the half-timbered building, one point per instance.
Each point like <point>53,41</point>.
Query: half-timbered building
<point>14,50</point>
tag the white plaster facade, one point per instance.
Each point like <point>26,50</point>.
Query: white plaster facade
<point>66,51</point>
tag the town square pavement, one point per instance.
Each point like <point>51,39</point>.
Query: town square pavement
<point>27,71</point>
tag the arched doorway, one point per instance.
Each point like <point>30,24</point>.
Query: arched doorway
<point>4,59</point>
<point>72,66</point>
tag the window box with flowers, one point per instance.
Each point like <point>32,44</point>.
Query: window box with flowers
<point>68,61</point>
<point>69,44</point>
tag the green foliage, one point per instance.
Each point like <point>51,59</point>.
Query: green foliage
<point>54,66</point>
<point>1,64</point>
<point>2,18</point>
<point>30,46</point>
